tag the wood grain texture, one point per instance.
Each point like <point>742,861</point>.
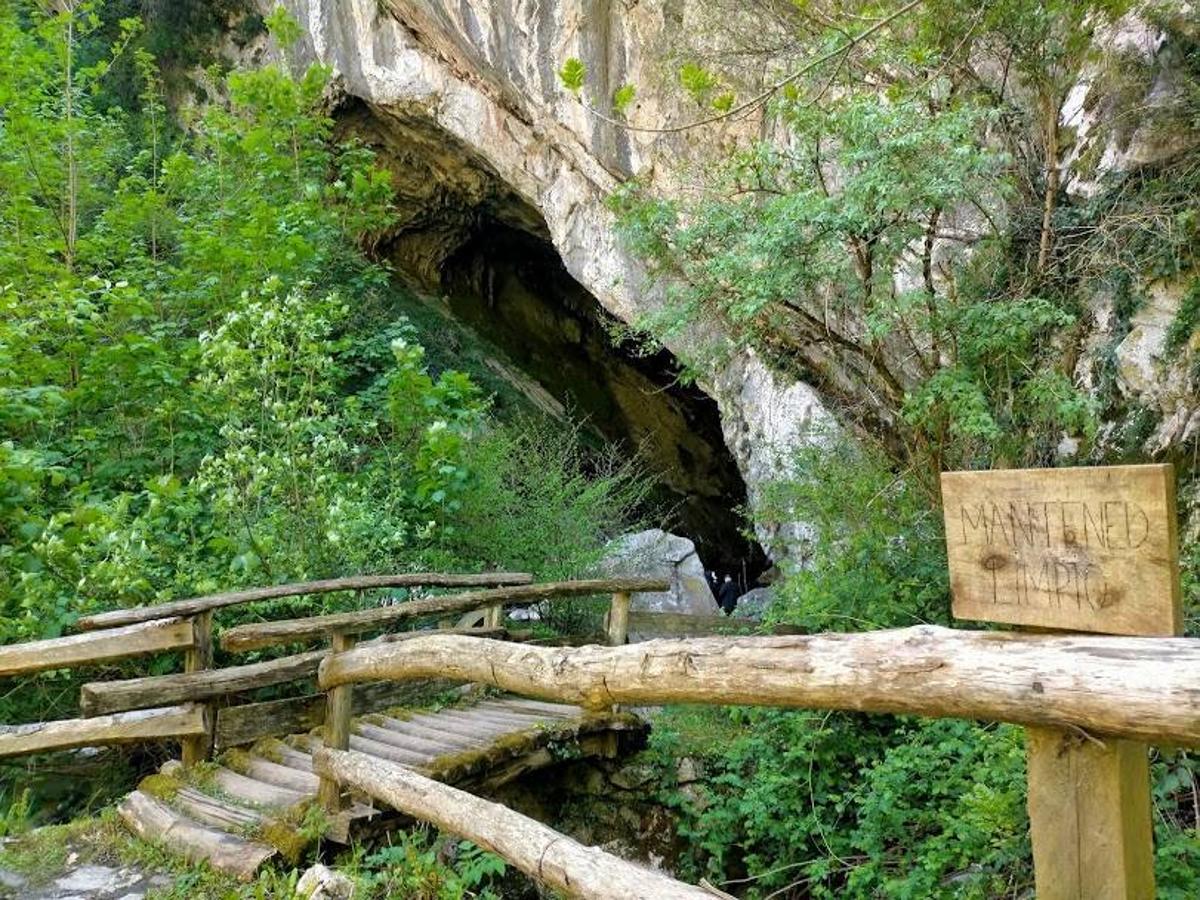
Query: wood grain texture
<point>199,658</point>
<point>336,734</point>
<point>86,649</point>
<point>123,728</point>
<point>1140,688</point>
<point>154,821</point>
<point>1090,817</point>
<point>1086,549</point>
<point>550,858</point>
<point>98,697</point>
<point>618,619</point>
<point>667,624</point>
<point>255,635</point>
<point>192,605</point>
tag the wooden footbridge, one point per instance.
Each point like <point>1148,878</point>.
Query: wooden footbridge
<point>356,746</point>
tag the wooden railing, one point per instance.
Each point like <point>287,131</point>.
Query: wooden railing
<point>184,706</point>
<point>1105,688</point>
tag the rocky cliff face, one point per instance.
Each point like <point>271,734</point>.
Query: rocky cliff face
<point>463,101</point>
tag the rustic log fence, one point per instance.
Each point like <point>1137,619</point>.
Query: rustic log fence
<point>192,706</point>
<point>1113,691</point>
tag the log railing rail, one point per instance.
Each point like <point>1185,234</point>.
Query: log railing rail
<point>256,635</point>
<point>193,605</point>
<point>1132,687</point>
<point>543,854</point>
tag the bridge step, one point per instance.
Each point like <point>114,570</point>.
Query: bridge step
<point>247,809</point>
<point>154,821</point>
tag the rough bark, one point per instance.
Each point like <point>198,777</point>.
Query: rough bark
<point>1132,687</point>
<point>256,635</point>
<point>193,605</point>
<point>83,649</point>
<point>543,854</point>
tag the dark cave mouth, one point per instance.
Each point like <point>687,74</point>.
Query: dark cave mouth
<point>463,234</point>
<point>512,287</point>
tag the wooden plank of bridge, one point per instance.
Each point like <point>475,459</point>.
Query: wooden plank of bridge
<point>253,791</point>
<point>551,858</point>
<point>156,822</point>
<point>85,649</point>
<point>193,605</point>
<point>1089,550</point>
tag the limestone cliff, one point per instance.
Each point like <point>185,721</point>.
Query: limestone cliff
<point>463,100</point>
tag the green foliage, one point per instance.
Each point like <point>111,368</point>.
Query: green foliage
<point>426,869</point>
<point>285,29</point>
<point>875,555</point>
<point>572,74</point>
<point>697,81</point>
<point>839,805</point>
<point>203,383</point>
<point>623,97</point>
<point>834,254</point>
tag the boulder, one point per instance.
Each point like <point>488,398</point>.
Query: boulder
<point>659,554</point>
<point>754,603</point>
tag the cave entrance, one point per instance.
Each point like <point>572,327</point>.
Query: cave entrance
<point>463,234</point>
<point>512,287</point>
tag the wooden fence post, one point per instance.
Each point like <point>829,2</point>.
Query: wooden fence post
<point>199,657</point>
<point>339,702</point>
<point>1089,816</point>
<point>494,616</point>
<point>618,619</point>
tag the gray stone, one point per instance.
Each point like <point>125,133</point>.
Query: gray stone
<point>688,770</point>
<point>11,880</point>
<point>323,883</point>
<point>754,603</point>
<point>659,554</point>
<point>632,777</point>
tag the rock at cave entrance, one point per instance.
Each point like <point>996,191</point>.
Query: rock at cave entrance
<point>754,603</point>
<point>659,554</point>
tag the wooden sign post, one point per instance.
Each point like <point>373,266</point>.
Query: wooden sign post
<point>1087,549</point>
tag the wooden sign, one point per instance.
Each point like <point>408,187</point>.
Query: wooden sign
<point>1087,549</point>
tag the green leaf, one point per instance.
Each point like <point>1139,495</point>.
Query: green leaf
<point>572,74</point>
<point>697,81</point>
<point>723,102</point>
<point>622,97</point>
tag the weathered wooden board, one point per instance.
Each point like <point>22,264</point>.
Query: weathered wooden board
<point>1086,549</point>
<point>122,728</point>
<point>254,635</point>
<point>1089,816</point>
<point>85,649</point>
<point>99,697</point>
